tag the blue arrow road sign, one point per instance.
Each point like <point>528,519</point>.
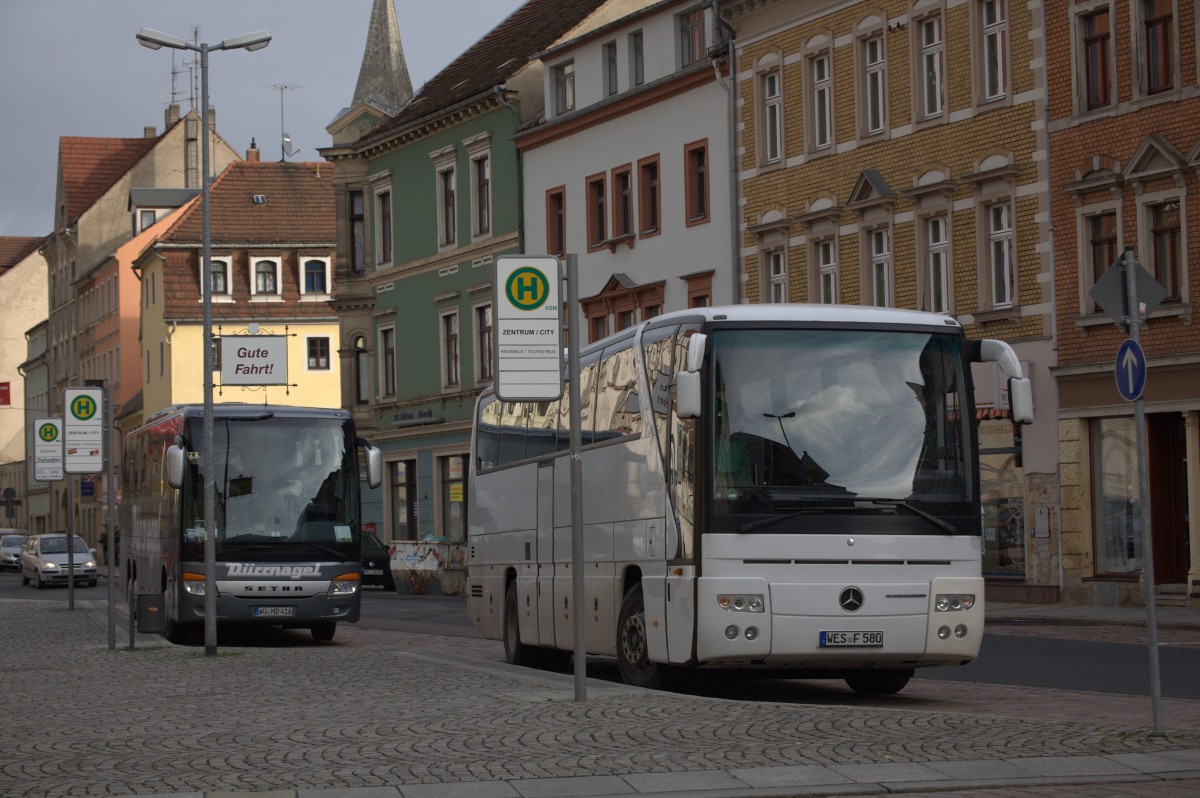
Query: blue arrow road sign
<point>1131,370</point>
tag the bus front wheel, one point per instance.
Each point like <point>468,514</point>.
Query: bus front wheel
<point>633,657</point>
<point>515,652</point>
<point>879,682</point>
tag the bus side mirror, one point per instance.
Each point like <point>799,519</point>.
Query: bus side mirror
<point>374,466</point>
<point>1020,400</point>
<point>175,461</point>
<point>687,394</point>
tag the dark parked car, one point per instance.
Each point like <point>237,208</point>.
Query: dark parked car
<point>376,563</point>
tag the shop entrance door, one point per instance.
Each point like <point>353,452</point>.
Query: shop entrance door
<point>1166,439</point>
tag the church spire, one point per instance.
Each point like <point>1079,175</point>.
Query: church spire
<point>383,79</point>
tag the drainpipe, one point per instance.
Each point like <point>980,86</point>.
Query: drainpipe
<point>1062,574</point>
<point>731,89</point>
<point>500,92</point>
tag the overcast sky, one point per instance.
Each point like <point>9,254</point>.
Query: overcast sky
<point>73,68</point>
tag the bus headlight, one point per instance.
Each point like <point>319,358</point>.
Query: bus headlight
<point>193,584</point>
<point>953,602</point>
<point>344,585</point>
<point>741,602</point>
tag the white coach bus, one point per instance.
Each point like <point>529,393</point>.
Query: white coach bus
<point>789,487</point>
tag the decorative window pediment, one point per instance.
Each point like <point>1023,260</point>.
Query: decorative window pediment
<point>1154,158</point>
<point>773,222</point>
<point>870,191</point>
<point>994,168</point>
<point>824,210</point>
<point>933,183</point>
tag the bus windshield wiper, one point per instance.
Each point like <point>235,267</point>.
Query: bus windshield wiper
<point>940,523</point>
<point>750,526</point>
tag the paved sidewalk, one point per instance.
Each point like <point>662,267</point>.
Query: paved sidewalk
<point>424,716</point>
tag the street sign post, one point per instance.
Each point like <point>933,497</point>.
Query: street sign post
<point>1131,370</point>
<point>48,450</point>
<point>529,356</point>
<point>83,430</point>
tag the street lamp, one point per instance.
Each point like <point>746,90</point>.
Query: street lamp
<point>247,41</point>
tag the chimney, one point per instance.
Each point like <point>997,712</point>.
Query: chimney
<point>252,153</point>
<point>149,132</point>
<point>212,119</point>
<point>171,115</point>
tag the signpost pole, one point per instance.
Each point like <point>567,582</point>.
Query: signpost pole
<point>1134,322</point>
<point>577,597</point>
<point>110,497</point>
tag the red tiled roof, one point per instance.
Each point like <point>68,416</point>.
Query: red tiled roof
<point>299,206</point>
<point>90,166</point>
<point>526,32</point>
<point>13,250</point>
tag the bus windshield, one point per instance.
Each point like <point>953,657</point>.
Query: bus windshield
<point>822,419</point>
<point>281,484</point>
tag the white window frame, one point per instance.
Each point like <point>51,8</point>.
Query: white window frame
<point>1085,256</point>
<point>450,382</point>
<point>1145,233</point>
<point>825,258</point>
<point>475,154</point>
<point>937,261</point>
<point>873,66</point>
<point>387,377</point>
<point>777,275</point>
<point>447,209</point>
<point>483,359</point>
<point>1079,55</point>
<point>931,69</point>
<point>1001,240</point>
<point>771,86</point>
<point>227,294</point>
<point>1140,60</point>
<point>819,110</point>
<point>993,50</point>
<point>879,248</point>
<point>266,296</point>
<point>315,296</point>
<point>378,223</point>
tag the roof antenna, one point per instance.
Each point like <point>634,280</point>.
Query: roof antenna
<point>285,141</point>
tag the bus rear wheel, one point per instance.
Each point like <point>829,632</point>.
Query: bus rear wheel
<point>879,682</point>
<point>515,652</point>
<point>324,631</point>
<point>633,656</point>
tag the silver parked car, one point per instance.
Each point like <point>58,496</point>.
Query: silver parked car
<point>11,541</point>
<point>44,561</point>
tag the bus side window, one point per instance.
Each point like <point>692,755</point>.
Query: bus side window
<point>542,434</point>
<point>588,367</point>
<point>657,345</point>
<point>618,410</point>
<point>512,433</point>
<point>487,434</point>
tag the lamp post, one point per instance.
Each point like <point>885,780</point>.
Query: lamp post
<point>247,41</point>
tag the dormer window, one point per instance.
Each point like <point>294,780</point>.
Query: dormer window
<point>314,278</point>
<point>264,280</point>
<point>564,87</point>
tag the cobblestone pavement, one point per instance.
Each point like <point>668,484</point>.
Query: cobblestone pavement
<point>389,714</point>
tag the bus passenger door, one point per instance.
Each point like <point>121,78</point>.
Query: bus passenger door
<point>544,556</point>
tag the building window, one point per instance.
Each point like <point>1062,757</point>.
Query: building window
<point>1158,23</point>
<point>622,220</point>
<point>453,491</point>
<point>1000,253</point>
<point>483,343</point>
<point>820,102</point>
<point>1095,30</point>
<point>266,277</point>
<point>1117,504</point>
<point>1165,243</point>
<point>881,267</point>
<point>358,232</point>
<point>446,208</point>
<point>696,181</point>
<point>777,272</point>
<point>481,188</point>
<point>638,59</point>
<point>874,85</point>
<point>362,373</point>
<point>610,69</point>
<point>145,219</point>
<point>772,117</point>
<point>1102,249</point>
<point>403,482</point>
<point>383,227</point>
<point>597,214</point>
<point>219,273</point>
<point>649,197</point>
<point>994,21</point>
<point>316,276</point>
<point>826,258</point>
<point>450,377</point>
<point>564,87</point>
<point>933,55</point>
<point>691,37</point>
<point>318,354</point>
<point>387,363</point>
<point>556,221</point>
<point>598,326</point>
<point>937,259</point>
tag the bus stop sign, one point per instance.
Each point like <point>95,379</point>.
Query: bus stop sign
<point>528,346</point>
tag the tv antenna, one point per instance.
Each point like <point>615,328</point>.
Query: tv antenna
<point>285,141</point>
